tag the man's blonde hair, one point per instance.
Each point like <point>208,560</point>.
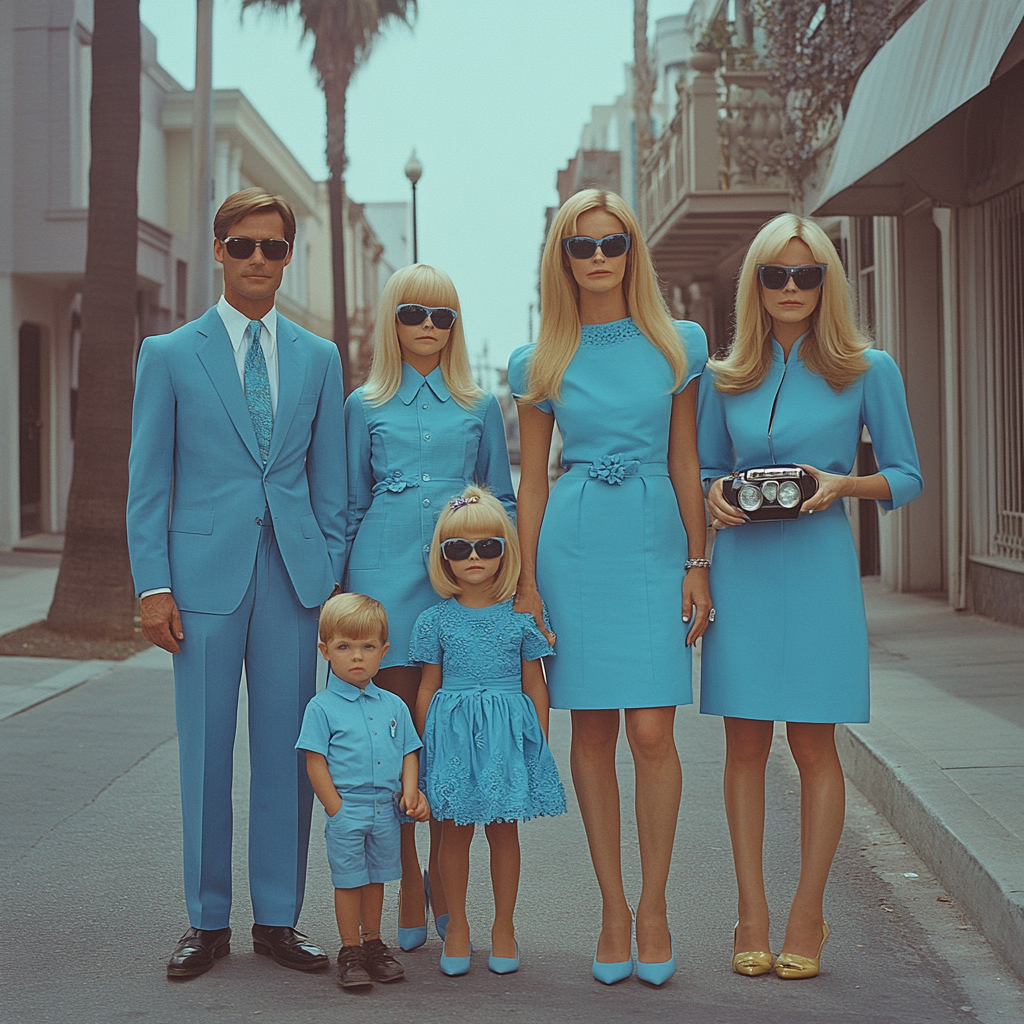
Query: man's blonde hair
<point>239,205</point>
<point>481,513</point>
<point>354,616</point>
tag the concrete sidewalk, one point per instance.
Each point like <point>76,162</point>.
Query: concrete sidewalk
<point>943,755</point>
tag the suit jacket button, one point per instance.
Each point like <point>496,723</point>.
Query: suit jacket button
<point>259,522</point>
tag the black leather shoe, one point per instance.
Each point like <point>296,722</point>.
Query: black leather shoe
<point>379,963</point>
<point>288,947</point>
<point>196,950</point>
<point>352,971</point>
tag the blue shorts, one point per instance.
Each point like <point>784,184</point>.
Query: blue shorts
<point>364,841</point>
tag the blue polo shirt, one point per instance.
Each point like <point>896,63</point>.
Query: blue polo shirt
<point>364,734</point>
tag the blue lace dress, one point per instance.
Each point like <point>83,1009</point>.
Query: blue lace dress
<point>484,755</point>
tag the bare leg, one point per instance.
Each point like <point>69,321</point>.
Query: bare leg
<point>747,745</point>
<point>454,860</point>
<point>370,906</point>
<point>822,809</point>
<point>404,682</point>
<point>347,909</point>
<point>503,839</point>
<point>594,734</point>
<point>659,786</point>
<point>439,904</point>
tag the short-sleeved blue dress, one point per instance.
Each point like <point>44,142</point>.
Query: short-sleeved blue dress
<point>406,459</point>
<point>485,758</point>
<point>612,544</point>
<point>789,641</point>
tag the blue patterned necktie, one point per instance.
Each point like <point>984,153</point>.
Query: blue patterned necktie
<point>257,391</point>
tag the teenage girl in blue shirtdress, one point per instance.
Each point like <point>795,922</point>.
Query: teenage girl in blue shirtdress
<point>789,641</point>
<point>607,549</point>
<point>418,432</point>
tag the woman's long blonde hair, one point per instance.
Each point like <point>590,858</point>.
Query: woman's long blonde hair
<point>428,286</point>
<point>833,347</point>
<point>482,513</point>
<point>559,336</point>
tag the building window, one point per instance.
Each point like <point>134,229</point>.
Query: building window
<point>866,272</point>
<point>1007,298</point>
<point>181,291</point>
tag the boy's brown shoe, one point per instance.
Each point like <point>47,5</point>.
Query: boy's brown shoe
<point>352,969</point>
<point>380,964</point>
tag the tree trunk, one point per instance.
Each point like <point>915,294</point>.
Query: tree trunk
<point>643,85</point>
<point>335,78</point>
<point>95,595</point>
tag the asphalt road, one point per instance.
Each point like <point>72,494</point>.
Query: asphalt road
<point>92,905</point>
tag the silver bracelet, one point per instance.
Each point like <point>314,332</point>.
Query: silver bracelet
<point>698,563</point>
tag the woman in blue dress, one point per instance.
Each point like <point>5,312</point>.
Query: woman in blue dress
<point>418,432</point>
<point>790,641</point>
<point>606,549</point>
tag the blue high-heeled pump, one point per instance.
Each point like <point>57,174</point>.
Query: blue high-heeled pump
<point>611,974</point>
<point>657,974</point>
<point>453,966</point>
<point>441,921</point>
<point>504,964</point>
<point>413,938</point>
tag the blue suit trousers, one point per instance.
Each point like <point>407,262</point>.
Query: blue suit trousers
<point>274,637</point>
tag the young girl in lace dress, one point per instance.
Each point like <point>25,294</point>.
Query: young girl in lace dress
<point>483,712</point>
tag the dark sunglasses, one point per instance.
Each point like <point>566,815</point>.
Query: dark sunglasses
<point>806,277</point>
<point>412,315</point>
<point>274,249</point>
<point>455,549</point>
<point>581,247</point>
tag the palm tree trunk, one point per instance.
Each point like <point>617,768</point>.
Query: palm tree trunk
<point>643,84</point>
<point>95,595</point>
<point>335,81</point>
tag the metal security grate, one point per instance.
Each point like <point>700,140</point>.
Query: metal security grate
<point>1007,213</point>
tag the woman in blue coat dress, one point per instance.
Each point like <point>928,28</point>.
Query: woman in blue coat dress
<point>419,431</point>
<point>606,548</point>
<point>789,640</point>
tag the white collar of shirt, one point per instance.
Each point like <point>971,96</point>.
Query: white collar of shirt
<point>236,324</point>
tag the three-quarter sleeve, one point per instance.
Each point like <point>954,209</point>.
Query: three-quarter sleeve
<point>885,413</point>
<point>492,465</point>
<point>714,445</point>
<point>695,345</point>
<point>519,376</point>
<point>360,472</point>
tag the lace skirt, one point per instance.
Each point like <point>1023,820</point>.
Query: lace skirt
<point>485,758</point>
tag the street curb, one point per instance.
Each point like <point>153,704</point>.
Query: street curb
<point>972,853</point>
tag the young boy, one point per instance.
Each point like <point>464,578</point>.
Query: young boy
<point>361,757</point>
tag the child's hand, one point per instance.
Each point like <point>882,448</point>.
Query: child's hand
<point>417,808</point>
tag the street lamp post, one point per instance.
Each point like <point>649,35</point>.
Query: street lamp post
<point>413,171</point>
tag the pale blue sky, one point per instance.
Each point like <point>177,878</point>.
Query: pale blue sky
<point>493,94</point>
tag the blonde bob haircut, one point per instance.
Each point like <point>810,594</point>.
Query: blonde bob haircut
<point>428,286</point>
<point>559,336</point>
<point>833,348</point>
<point>354,617</point>
<point>482,514</point>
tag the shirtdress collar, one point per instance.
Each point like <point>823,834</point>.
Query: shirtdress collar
<point>413,380</point>
<point>350,692</point>
<point>777,352</point>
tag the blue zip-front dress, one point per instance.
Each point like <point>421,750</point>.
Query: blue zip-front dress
<point>789,641</point>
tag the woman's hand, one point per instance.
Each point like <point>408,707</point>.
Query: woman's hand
<point>696,603</point>
<point>830,488</point>
<point>528,600</point>
<point>722,513</point>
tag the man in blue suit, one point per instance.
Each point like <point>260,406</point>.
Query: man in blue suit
<point>236,525</point>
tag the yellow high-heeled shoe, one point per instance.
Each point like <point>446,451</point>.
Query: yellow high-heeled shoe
<point>750,964</point>
<point>792,965</point>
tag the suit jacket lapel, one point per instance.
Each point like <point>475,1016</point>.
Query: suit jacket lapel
<point>215,353</point>
<point>291,375</point>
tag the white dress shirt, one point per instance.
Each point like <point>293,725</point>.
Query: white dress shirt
<point>237,326</point>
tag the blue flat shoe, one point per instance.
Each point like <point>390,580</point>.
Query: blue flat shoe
<point>610,974</point>
<point>413,938</point>
<point>657,974</point>
<point>441,922</point>
<point>453,966</point>
<point>504,964</point>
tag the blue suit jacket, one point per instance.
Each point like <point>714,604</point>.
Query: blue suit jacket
<point>197,487</point>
